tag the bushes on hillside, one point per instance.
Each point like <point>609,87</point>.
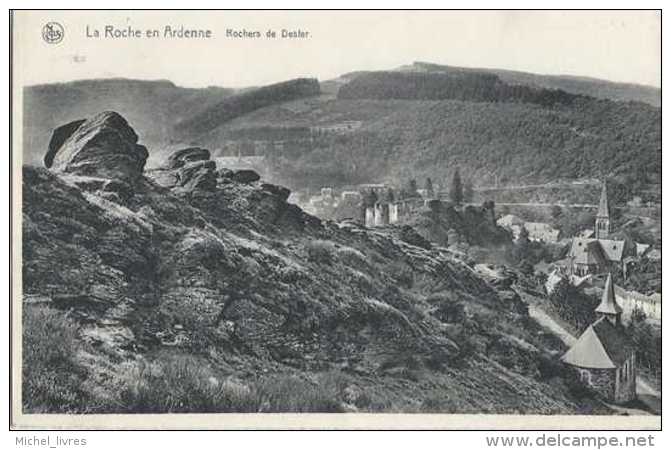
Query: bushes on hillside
<point>184,384</point>
<point>352,257</point>
<point>401,273</point>
<point>321,252</point>
<point>648,342</point>
<point>573,305</point>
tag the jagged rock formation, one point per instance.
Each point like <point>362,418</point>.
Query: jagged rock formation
<point>104,146</point>
<point>203,262</point>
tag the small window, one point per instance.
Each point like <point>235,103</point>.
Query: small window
<point>585,377</point>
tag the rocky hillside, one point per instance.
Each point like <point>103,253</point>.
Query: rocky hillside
<point>190,287</point>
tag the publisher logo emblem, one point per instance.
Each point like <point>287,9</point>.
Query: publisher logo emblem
<point>53,33</point>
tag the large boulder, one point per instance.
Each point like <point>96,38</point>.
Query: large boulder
<point>279,191</point>
<point>198,175</point>
<point>187,170</point>
<point>58,138</point>
<point>103,146</point>
<point>245,176</point>
<point>181,157</point>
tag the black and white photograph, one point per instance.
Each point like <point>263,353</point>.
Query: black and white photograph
<point>416,217</point>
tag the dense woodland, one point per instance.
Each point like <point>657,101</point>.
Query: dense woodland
<point>473,86</point>
<point>245,102</point>
<point>572,84</point>
<point>516,143</point>
<point>413,125</point>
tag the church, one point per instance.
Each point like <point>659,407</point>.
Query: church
<point>604,356</point>
<point>601,252</point>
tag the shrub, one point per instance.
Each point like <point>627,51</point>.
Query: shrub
<point>351,257</point>
<point>51,376</point>
<point>320,251</point>
<point>181,384</point>
<point>292,394</point>
<point>549,368</point>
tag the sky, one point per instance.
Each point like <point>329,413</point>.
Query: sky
<point>623,46</point>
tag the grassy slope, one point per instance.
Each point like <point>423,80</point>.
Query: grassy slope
<point>235,300</point>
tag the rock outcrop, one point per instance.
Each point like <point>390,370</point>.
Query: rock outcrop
<point>186,171</point>
<point>245,176</point>
<point>187,155</point>
<point>58,138</point>
<point>104,146</point>
<point>215,264</point>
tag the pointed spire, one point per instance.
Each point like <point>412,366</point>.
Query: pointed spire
<point>604,210</point>
<point>608,305</point>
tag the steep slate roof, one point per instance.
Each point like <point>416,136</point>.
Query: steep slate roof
<point>588,352</point>
<point>614,339</point>
<point>602,346</point>
<point>587,251</point>
<point>614,250</point>
<point>604,210</point>
<point>596,251</point>
<point>608,303</point>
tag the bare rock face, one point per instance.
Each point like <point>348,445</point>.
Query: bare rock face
<point>187,170</point>
<point>280,191</point>
<point>198,175</point>
<point>187,155</point>
<point>104,146</point>
<point>58,138</point>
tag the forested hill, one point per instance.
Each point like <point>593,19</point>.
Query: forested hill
<point>246,102</point>
<point>416,122</point>
<point>418,125</point>
<point>592,87</point>
<point>466,86</point>
<point>521,133</point>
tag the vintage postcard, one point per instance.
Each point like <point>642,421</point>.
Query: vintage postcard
<point>336,219</point>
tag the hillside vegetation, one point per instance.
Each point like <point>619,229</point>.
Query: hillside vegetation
<point>467,86</point>
<point>419,121</point>
<point>591,87</point>
<point>243,103</point>
<point>188,288</point>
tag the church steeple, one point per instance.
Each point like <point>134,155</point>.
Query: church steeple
<point>602,224</point>
<point>608,307</point>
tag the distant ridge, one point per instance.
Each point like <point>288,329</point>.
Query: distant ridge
<point>417,121</point>
<point>246,102</point>
<point>593,87</point>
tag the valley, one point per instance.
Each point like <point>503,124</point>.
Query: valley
<point>393,241</point>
